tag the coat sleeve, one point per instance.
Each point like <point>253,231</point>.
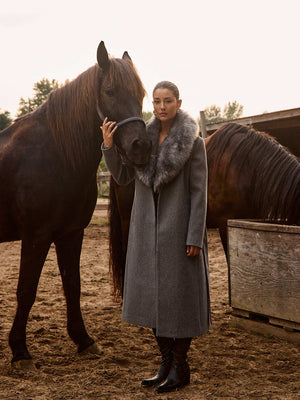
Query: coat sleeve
<point>198,194</point>
<point>121,173</point>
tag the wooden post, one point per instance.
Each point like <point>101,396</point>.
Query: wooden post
<point>203,125</point>
<point>104,177</point>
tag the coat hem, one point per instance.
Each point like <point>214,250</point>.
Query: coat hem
<point>163,333</point>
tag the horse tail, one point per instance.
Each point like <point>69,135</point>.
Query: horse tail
<point>117,255</point>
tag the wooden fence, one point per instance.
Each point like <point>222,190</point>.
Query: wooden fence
<point>103,183</point>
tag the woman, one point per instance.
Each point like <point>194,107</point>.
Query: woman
<point>166,278</point>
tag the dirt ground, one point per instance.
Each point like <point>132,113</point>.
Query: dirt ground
<point>227,363</point>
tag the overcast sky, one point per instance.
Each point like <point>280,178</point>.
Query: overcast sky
<point>215,51</point>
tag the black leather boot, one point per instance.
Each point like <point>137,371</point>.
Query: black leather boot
<point>179,374</point>
<point>165,346</point>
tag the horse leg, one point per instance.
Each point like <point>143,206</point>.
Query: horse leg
<point>121,199</point>
<point>68,251</point>
<point>33,255</point>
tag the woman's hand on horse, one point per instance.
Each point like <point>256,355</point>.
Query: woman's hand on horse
<point>192,251</point>
<point>108,129</point>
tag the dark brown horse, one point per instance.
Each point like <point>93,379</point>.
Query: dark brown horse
<point>48,164</point>
<point>250,176</point>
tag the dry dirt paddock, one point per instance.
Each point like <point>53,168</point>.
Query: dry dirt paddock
<point>227,363</point>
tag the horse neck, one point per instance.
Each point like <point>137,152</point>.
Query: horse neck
<point>265,175</point>
<point>74,124</point>
<point>274,177</point>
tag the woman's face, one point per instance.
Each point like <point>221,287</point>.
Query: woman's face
<point>165,104</point>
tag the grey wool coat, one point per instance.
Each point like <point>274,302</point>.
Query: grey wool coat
<point>163,288</point>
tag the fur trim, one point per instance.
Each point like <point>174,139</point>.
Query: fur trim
<point>168,159</point>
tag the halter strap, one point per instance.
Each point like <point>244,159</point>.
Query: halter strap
<point>131,119</point>
<point>120,123</point>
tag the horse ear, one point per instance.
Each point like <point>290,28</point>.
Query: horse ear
<point>126,56</point>
<point>102,57</point>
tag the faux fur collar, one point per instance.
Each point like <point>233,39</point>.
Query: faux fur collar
<point>168,159</point>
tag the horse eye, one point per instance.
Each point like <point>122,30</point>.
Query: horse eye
<point>109,92</point>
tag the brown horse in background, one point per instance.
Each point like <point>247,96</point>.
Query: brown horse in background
<point>48,165</point>
<point>250,176</point>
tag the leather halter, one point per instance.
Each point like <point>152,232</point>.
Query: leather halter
<point>122,153</point>
<point>120,123</point>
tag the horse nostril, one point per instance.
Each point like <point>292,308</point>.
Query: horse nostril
<point>139,146</point>
<point>140,151</point>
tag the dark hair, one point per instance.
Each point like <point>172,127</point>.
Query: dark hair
<point>168,85</point>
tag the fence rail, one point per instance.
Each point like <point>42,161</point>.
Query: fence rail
<point>103,182</point>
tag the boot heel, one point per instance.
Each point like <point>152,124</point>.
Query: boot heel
<point>178,377</point>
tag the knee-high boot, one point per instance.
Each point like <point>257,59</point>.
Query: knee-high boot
<point>179,374</point>
<point>165,346</point>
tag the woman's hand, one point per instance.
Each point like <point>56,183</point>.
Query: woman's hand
<point>108,129</point>
<point>192,251</point>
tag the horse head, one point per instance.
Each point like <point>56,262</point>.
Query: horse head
<point>120,99</point>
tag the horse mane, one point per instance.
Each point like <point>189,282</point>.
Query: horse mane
<point>71,109</point>
<point>71,116</point>
<point>274,172</point>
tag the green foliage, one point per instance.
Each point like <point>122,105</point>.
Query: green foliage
<point>41,91</point>
<point>232,110</point>
<point>102,166</point>
<point>5,119</point>
<point>147,115</point>
<point>213,113</point>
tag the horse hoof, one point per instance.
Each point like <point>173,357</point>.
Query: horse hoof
<point>92,349</point>
<point>25,365</point>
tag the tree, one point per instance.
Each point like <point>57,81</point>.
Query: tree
<point>41,91</point>
<point>232,110</point>
<point>213,114</point>
<point>5,119</point>
<point>147,115</point>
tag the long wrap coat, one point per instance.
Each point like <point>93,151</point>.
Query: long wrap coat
<point>163,288</point>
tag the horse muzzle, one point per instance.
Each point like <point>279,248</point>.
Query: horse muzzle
<point>140,151</point>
